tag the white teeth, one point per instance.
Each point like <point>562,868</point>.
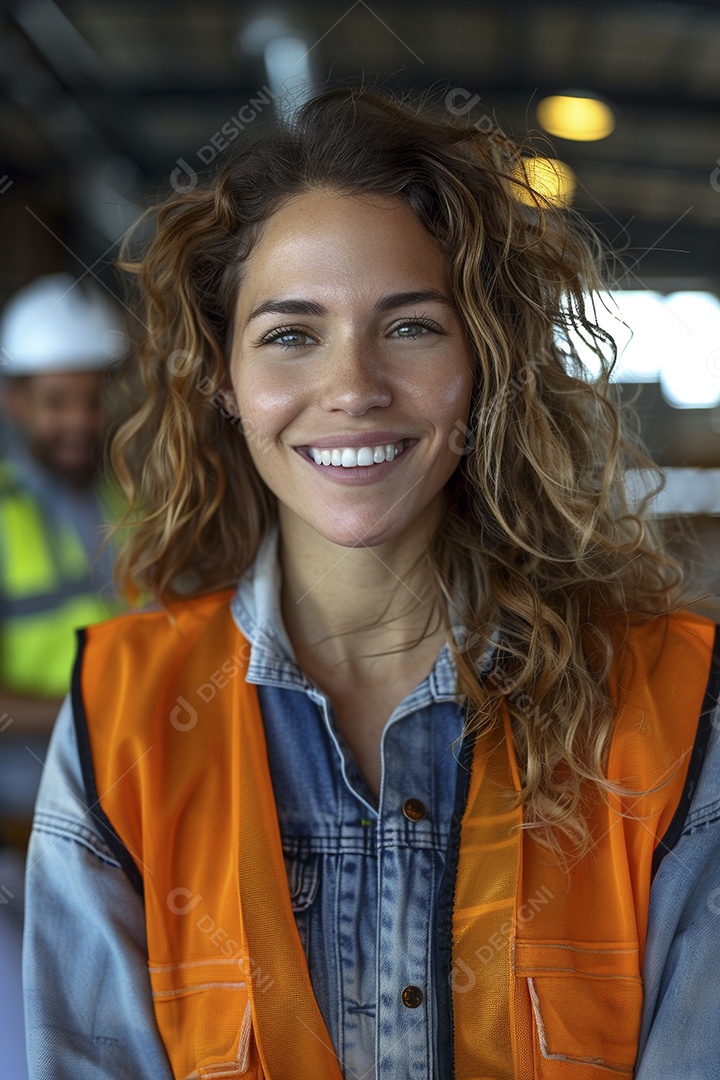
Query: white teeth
<point>348,457</point>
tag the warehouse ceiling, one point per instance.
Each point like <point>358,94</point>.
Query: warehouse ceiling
<point>105,101</point>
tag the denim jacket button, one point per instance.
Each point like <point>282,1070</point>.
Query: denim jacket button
<point>412,996</point>
<point>414,810</point>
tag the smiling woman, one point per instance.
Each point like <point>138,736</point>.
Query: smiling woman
<point>380,367</point>
<point>383,787</point>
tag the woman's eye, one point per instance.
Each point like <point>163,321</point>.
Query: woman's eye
<point>287,338</point>
<point>416,328</point>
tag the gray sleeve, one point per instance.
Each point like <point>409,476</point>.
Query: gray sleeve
<point>89,1012</point>
<point>681,1017</point>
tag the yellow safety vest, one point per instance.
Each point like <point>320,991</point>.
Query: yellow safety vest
<point>45,595</point>
<point>546,960</point>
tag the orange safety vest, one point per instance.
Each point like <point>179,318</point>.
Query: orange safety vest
<point>546,961</point>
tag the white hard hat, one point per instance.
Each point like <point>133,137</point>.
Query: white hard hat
<point>59,324</point>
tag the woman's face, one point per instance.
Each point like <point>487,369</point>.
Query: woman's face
<point>347,350</point>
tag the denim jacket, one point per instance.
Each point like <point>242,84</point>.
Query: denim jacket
<point>364,898</point>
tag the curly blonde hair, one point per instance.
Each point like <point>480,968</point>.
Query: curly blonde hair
<point>540,539</point>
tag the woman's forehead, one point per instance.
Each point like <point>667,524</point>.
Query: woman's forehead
<point>335,242</point>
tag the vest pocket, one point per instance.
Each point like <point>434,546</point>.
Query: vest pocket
<point>203,1013</point>
<point>586,1002</point>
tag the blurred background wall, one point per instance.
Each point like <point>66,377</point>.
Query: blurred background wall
<point>109,104</point>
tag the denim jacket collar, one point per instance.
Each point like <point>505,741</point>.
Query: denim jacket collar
<point>257,612</point>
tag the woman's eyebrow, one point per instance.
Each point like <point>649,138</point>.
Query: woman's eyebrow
<point>400,299</point>
<point>310,307</point>
<point>287,307</point>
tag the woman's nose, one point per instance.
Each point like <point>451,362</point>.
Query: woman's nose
<point>354,380</point>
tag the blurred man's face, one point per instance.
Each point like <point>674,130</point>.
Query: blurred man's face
<point>61,418</point>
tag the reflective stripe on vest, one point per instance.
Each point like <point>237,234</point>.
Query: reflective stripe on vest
<point>546,959</point>
<point>45,594</point>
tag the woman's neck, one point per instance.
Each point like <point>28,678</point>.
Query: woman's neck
<point>355,613</point>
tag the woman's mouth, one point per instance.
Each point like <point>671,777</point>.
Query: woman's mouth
<point>348,457</point>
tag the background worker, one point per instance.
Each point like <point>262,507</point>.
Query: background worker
<point>57,338</point>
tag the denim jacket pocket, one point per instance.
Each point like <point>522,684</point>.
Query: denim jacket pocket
<point>203,1013</point>
<point>586,1000</point>
<point>303,873</point>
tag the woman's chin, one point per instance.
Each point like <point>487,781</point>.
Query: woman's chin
<point>347,532</point>
<point>370,536</point>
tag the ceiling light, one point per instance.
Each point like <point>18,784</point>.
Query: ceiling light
<point>671,339</point>
<point>552,181</point>
<point>575,116</point>
<point>285,53</point>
